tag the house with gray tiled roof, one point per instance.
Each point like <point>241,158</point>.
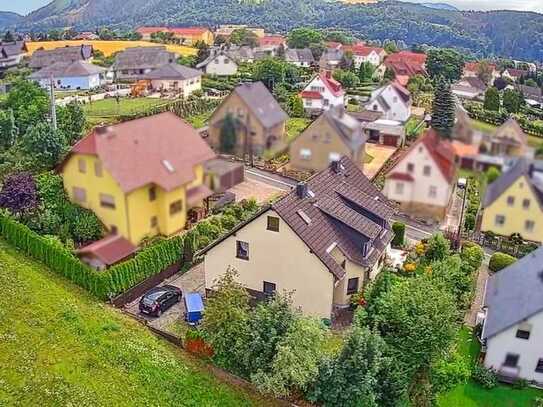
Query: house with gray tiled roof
<point>11,53</point>
<point>324,241</point>
<point>513,325</point>
<point>71,75</point>
<point>393,100</point>
<point>137,62</point>
<point>301,57</point>
<point>43,58</point>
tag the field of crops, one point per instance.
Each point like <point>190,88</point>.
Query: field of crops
<point>108,47</point>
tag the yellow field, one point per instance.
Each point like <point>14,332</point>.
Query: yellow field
<point>108,47</point>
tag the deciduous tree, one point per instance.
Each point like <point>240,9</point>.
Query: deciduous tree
<point>446,63</point>
<point>492,99</point>
<point>302,37</point>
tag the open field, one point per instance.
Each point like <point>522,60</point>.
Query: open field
<point>473,395</point>
<point>59,346</point>
<point>108,47</point>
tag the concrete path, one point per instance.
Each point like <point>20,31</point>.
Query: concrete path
<point>380,154</point>
<point>471,316</point>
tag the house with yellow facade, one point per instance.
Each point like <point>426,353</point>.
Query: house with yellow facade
<point>513,204</point>
<point>139,177</point>
<point>324,241</point>
<point>185,35</point>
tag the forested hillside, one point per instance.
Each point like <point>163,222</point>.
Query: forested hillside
<point>506,33</point>
<point>7,18</point>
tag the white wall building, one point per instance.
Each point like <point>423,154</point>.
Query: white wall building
<point>176,78</point>
<point>513,326</point>
<point>374,56</point>
<point>220,64</point>
<point>423,180</point>
<point>393,100</point>
<point>322,92</point>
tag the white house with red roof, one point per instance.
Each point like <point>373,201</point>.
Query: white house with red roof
<point>270,44</point>
<point>322,92</point>
<point>423,179</point>
<point>373,55</point>
<point>393,100</point>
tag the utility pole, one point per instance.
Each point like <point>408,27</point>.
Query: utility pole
<point>53,103</point>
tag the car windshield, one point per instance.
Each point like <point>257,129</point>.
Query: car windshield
<point>154,295</point>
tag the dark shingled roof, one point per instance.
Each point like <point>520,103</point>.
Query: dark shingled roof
<point>521,168</point>
<point>514,294</point>
<point>173,71</point>
<point>8,49</point>
<point>259,99</point>
<point>69,70</point>
<point>341,209</point>
<point>299,55</point>
<point>143,58</point>
<point>42,58</point>
<point>335,218</point>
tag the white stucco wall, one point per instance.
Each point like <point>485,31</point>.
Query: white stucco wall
<point>188,86</point>
<point>222,65</point>
<point>373,58</point>
<point>79,82</point>
<point>317,85</point>
<point>399,110</point>
<point>276,257</point>
<point>419,190</point>
<point>530,350</point>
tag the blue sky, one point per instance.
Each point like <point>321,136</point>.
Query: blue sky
<point>25,6</point>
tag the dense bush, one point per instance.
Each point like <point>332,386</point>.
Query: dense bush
<point>399,234</point>
<point>499,261</point>
<point>450,372</point>
<point>485,377</point>
<point>19,194</point>
<point>473,254</point>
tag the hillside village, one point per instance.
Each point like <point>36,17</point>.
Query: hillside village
<point>368,213</point>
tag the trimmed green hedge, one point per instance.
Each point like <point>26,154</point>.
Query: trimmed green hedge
<point>103,284</point>
<point>499,261</point>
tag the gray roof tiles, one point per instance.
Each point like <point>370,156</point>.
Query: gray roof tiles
<point>43,58</point>
<point>64,70</point>
<point>262,103</point>
<point>514,294</point>
<point>143,58</point>
<point>173,71</point>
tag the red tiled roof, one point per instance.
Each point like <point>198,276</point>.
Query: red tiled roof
<point>110,249</point>
<point>310,94</point>
<point>365,51</point>
<point>474,66</point>
<point>332,85</point>
<point>151,30</point>
<point>407,56</point>
<point>272,40</point>
<point>405,68</point>
<point>441,151</point>
<point>517,73</point>
<point>333,44</point>
<point>401,176</point>
<point>161,149</point>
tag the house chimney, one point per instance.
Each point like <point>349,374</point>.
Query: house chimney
<point>328,74</point>
<point>336,167</point>
<point>301,190</point>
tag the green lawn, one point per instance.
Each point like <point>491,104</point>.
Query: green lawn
<point>473,395</point>
<point>59,346</point>
<point>482,126</point>
<point>200,120</point>
<point>110,107</point>
<point>295,125</point>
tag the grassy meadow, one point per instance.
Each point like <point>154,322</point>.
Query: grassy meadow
<point>60,347</point>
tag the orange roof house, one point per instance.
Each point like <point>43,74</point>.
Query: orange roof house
<point>189,35</point>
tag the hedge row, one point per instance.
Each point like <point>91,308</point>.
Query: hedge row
<point>102,284</point>
<point>182,108</point>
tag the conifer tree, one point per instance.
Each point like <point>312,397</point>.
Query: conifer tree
<point>443,109</point>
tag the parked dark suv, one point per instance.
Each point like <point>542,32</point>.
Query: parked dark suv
<point>157,300</point>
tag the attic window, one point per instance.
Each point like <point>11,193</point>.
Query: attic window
<point>304,216</point>
<point>168,166</point>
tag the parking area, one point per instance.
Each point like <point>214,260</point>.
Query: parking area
<point>259,190</point>
<point>191,281</point>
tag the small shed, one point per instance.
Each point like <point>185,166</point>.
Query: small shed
<point>106,252</point>
<point>221,174</point>
<point>195,308</point>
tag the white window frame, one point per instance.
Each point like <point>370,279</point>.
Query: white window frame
<point>305,154</point>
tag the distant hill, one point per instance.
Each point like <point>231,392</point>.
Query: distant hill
<point>481,33</point>
<point>8,19</point>
<point>440,6</point>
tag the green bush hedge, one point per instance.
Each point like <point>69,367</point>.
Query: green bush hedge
<point>499,261</point>
<point>399,234</point>
<point>102,284</point>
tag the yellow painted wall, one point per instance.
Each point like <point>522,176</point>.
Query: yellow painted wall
<point>277,257</point>
<point>352,271</point>
<point>133,211</point>
<point>93,186</point>
<point>516,215</point>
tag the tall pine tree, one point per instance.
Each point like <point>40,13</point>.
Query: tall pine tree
<point>443,109</point>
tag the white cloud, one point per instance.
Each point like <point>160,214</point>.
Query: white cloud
<point>525,5</point>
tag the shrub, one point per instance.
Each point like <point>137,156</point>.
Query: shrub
<point>492,174</point>
<point>473,255</point>
<point>469,222</point>
<point>499,261</point>
<point>399,234</point>
<point>521,384</point>
<point>485,377</point>
<point>19,193</point>
<point>450,372</point>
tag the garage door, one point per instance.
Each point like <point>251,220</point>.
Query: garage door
<point>390,140</point>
